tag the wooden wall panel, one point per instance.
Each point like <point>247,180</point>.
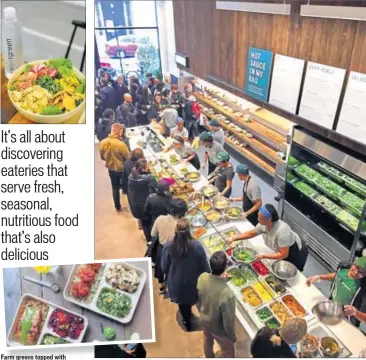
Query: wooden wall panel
<point>358,60</point>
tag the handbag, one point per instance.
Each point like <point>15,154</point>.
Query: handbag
<point>152,248</point>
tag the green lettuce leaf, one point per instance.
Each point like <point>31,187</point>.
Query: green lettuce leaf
<point>51,110</point>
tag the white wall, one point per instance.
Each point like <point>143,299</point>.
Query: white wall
<point>167,37</point>
<point>47,29</point>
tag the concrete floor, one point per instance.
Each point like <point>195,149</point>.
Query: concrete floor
<point>117,236</point>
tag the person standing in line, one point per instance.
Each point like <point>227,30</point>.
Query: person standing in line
<point>136,154</point>
<point>176,99</point>
<point>179,130</point>
<point>114,152</point>
<point>218,133</point>
<point>183,261</point>
<point>216,305</point>
<point>223,175</point>
<point>155,108</point>
<point>212,149</point>
<point>126,113</point>
<point>143,106</point>
<point>165,99</point>
<point>251,196</point>
<point>140,185</point>
<point>151,84</point>
<point>104,125</point>
<point>163,230</point>
<point>121,89</point>
<point>108,95</point>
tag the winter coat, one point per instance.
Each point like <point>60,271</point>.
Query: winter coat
<point>183,273</point>
<point>120,93</point>
<point>139,189</point>
<point>155,206</point>
<point>108,96</point>
<point>127,115</point>
<point>104,128</point>
<point>154,112</point>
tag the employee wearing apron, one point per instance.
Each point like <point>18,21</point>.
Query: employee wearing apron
<point>223,175</point>
<point>278,236</point>
<point>185,151</point>
<point>217,132</point>
<point>212,148</point>
<point>251,195</point>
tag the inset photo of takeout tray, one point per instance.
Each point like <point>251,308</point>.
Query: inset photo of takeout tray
<point>115,290</point>
<point>52,324</point>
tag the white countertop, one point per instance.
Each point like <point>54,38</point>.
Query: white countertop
<point>348,334</point>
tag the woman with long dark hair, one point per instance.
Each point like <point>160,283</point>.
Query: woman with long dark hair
<point>140,185</point>
<point>183,261</point>
<point>155,107</point>
<point>163,230</point>
<point>143,106</point>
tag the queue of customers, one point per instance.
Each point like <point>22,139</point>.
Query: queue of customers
<point>136,104</point>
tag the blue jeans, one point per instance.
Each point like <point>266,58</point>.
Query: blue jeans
<point>191,126</point>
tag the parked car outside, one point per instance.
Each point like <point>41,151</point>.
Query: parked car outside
<point>126,47</point>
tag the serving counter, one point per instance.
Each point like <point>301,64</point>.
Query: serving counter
<point>350,339</point>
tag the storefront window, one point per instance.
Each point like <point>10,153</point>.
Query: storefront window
<point>127,39</point>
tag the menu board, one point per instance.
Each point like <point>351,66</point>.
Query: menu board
<point>352,120</point>
<point>258,73</point>
<point>286,82</point>
<point>320,96</point>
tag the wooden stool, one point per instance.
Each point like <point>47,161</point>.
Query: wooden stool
<point>81,24</point>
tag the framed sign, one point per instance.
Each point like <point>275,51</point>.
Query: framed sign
<point>286,82</point>
<point>352,120</point>
<point>258,73</point>
<point>320,96</point>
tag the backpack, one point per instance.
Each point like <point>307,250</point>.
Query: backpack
<point>196,109</point>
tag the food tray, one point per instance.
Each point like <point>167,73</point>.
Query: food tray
<point>237,279</point>
<point>266,311</point>
<point>254,293</point>
<point>277,285</point>
<point>287,312</point>
<point>333,190</point>
<point>264,291</point>
<point>291,178</point>
<point>230,231</point>
<point>260,268</point>
<point>307,173</point>
<point>105,285</point>
<point>292,162</point>
<point>45,329</point>
<point>332,172</point>
<point>218,242</point>
<point>248,251</point>
<point>350,201</point>
<point>355,186</point>
<point>327,205</point>
<point>348,220</point>
<point>287,298</point>
<point>305,189</point>
<point>319,331</point>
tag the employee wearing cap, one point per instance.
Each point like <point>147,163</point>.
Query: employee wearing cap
<point>278,236</point>
<point>212,149</point>
<point>348,288</point>
<point>217,132</point>
<point>185,151</point>
<point>223,175</point>
<point>251,195</point>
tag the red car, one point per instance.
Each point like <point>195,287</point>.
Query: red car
<point>127,46</point>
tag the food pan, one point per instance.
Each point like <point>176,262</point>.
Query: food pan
<point>280,310</point>
<point>251,298</point>
<point>294,306</point>
<point>102,286</point>
<point>45,329</point>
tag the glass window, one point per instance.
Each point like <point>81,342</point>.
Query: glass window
<point>125,13</point>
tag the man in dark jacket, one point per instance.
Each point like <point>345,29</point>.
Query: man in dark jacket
<point>121,89</point>
<point>108,95</point>
<point>127,113</point>
<point>105,124</point>
<point>348,285</point>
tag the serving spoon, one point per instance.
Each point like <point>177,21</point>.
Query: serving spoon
<point>54,287</point>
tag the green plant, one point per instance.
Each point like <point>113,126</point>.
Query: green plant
<point>148,58</point>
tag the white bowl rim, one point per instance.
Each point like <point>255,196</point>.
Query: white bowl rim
<point>34,62</point>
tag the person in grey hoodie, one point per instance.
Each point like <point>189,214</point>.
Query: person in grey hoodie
<point>127,113</point>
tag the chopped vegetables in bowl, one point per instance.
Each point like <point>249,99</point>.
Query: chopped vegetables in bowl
<point>48,91</point>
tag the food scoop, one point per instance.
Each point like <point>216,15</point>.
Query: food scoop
<point>54,287</point>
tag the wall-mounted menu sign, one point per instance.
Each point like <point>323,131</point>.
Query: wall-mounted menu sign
<point>320,97</point>
<point>352,120</point>
<point>258,73</point>
<point>286,82</point>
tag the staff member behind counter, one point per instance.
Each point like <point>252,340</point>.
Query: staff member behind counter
<point>185,151</point>
<point>278,236</point>
<point>217,133</point>
<point>223,175</point>
<point>251,196</point>
<point>212,149</point>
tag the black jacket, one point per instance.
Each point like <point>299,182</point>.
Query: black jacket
<point>139,188</point>
<point>120,93</point>
<point>108,96</point>
<point>104,128</point>
<point>114,351</point>
<point>154,112</point>
<point>155,206</point>
<point>359,299</point>
<point>127,115</point>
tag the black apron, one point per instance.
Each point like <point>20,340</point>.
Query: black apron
<point>196,162</point>
<point>248,204</point>
<point>298,257</point>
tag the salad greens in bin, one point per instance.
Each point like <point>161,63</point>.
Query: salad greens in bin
<point>355,186</point>
<point>293,162</point>
<point>291,178</point>
<point>307,173</point>
<point>264,313</point>
<point>354,203</point>
<point>346,218</point>
<point>332,172</point>
<point>330,188</point>
<point>305,189</point>
<point>237,277</point>
<point>327,204</point>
